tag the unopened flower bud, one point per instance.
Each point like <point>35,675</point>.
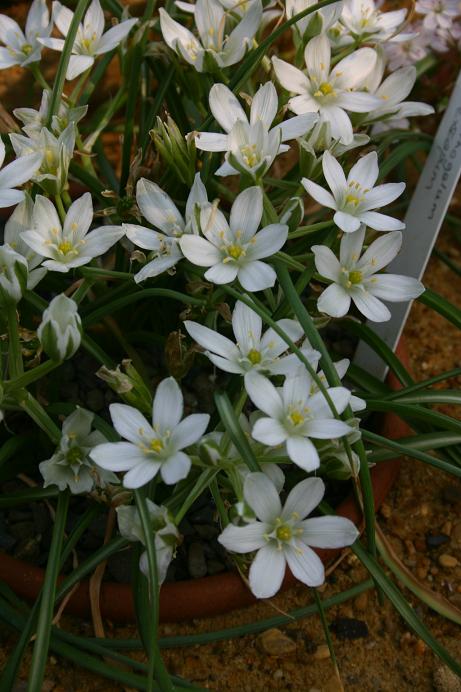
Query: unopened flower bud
<point>13,275</point>
<point>60,330</point>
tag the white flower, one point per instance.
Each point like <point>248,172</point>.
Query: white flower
<point>253,351</point>
<point>393,91</point>
<point>25,49</point>
<point>317,22</point>
<point>70,466</point>
<point>90,40</point>
<point>16,173</point>
<point>234,250</point>
<point>34,121</point>
<point>159,209</point>
<point>329,92</point>
<point>217,45</point>
<point>354,278</point>
<point>341,367</point>
<point>13,275</point>
<point>284,536</point>
<point>19,221</point>
<point>152,448</point>
<point>165,532</point>
<point>70,245</point>
<point>354,199</point>
<point>53,156</point>
<point>364,21</point>
<point>294,416</point>
<point>60,331</point>
<point>250,145</point>
<point>439,14</point>
<point>407,49</point>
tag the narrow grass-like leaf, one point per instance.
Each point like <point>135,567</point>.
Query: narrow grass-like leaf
<point>232,426</point>
<point>59,80</point>
<point>442,306</point>
<point>45,616</point>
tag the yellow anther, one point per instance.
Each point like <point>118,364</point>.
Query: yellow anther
<point>353,199</point>
<point>65,247</point>
<point>296,417</point>
<point>326,88</point>
<point>235,251</point>
<point>355,277</point>
<point>156,445</point>
<point>27,49</point>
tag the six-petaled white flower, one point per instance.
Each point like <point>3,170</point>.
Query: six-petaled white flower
<point>69,245</point>
<point>34,121</point>
<point>283,535</point>
<point>294,416</point>
<point>155,448</point>
<point>355,199</point>
<point>159,209</point>
<point>250,145</point>
<point>166,535</point>
<point>365,21</point>
<point>254,351</point>
<point>24,48</point>
<point>90,41</point>
<point>71,466</point>
<point>354,277</point>
<point>233,250</point>
<point>217,45</point>
<point>329,92</point>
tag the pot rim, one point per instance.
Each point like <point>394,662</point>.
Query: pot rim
<point>211,595</point>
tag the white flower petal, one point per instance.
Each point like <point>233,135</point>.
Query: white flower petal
<point>371,307</point>
<point>383,194</point>
<point>256,276</point>
<point>175,468</point>
<point>346,222</point>
<point>317,55</point>
<point>212,340</point>
<point>189,430</point>
<point>114,36</point>
<point>267,572</point>
<point>304,564</point>
<point>141,474</point>
<point>225,107</point>
<point>269,431</point>
<point>365,171</point>
<point>98,241</point>
<point>117,456</point>
<point>157,207</point>
<point>79,217</point>
<point>381,222</point>
<point>78,64</point>
<point>334,301</point>
<point>247,326</point>
<point>290,77</point>
<point>352,71</point>
<point>320,195</point>
<point>130,423</point>
<point>304,498</point>
<point>326,262</point>
<point>222,273</point>
<point>246,213</point>
<point>199,251</point>
<point>351,247</point>
<point>329,532</point>
<point>381,252</point>
<point>327,429</point>
<point>334,175</point>
<point>264,105</point>
<point>268,241</point>
<point>395,288</point>
<point>168,405</point>
<point>261,495</point>
<point>211,141</point>
<point>264,395</point>
<point>244,539</point>
<point>297,126</point>
<point>303,453</point>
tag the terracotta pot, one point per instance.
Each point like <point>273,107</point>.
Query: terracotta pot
<point>209,595</point>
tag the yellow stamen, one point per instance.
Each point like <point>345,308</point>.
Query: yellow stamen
<point>284,533</point>
<point>156,445</point>
<point>355,277</point>
<point>65,247</point>
<point>296,417</point>
<point>254,356</point>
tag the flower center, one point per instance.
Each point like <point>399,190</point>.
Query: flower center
<point>65,247</point>
<point>156,445</point>
<point>284,533</point>
<point>235,251</point>
<point>296,417</point>
<point>254,356</point>
<point>27,49</point>
<point>355,277</point>
<point>326,88</point>
<point>74,455</point>
<point>353,199</point>
<point>250,154</point>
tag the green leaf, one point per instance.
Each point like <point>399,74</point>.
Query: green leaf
<point>442,306</point>
<point>232,426</point>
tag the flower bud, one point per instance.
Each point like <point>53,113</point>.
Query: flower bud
<point>60,330</point>
<point>13,275</point>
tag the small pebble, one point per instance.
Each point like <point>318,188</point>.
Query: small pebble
<point>456,533</point>
<point>435,541</point>
<point>349,628</point>
<point>278,674</point>
<point>275,643</point>
<point>361,602</point>
<point>448,561</point>
<point>446,681</point>
<point>322,652</point>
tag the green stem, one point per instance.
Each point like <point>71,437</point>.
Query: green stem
<point>15,364</point>
<point>60,208</point>
<point>34,68</point>
<point>31,376</point>
<point>58,86</point>
<point>38,414</point>
<point>307,230</point>
<point>45,617</point>
<point>155,660</point>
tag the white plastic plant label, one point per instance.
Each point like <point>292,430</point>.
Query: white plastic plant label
<point>424,219</point>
